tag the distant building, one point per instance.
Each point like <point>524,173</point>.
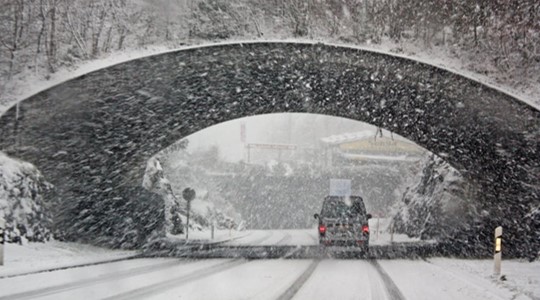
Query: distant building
<point>369,147</point>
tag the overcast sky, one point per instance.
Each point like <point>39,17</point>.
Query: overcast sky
<point>302,130</point>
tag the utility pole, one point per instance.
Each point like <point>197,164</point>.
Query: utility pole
<point>188,194</point>
<point>17,141</point>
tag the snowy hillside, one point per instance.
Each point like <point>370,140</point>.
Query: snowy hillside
<point>21,200</point>
<point>437,205</point>
<point>205,210</point>
<point>481,39</point>
<point>155,181</point>
<point>26,205</point>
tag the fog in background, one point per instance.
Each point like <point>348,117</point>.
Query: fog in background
<point>276,189</point>
<point>302,130</point>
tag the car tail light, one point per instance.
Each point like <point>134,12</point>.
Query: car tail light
<point>365,229</point>
<point>322,229</point>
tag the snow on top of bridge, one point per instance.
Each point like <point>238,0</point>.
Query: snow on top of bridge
<point>31,85</point>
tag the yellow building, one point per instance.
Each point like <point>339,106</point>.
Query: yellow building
<point>369,146</point>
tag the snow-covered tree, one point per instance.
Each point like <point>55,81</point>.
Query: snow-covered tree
<point>22,202</point>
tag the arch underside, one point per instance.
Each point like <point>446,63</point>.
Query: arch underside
<point>96,132</point>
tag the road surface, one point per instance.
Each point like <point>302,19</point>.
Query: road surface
<point>171,278</point>
<point>240,278</point>
<point>380,235</point>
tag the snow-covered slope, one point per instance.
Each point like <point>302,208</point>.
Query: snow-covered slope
<point>21,200</point>
<point>437,205</point>
<point>155,181</point>
<point>40,257</point>
<point>204,211</point>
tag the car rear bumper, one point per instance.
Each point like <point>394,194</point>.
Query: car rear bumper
<point>344,243</point>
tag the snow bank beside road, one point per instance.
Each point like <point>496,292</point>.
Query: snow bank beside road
<point>38,257</point>
<point>463,279</point>
<point>522,278</point>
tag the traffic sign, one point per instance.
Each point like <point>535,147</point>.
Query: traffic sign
<point>340,187</point>
<point>188,194</point>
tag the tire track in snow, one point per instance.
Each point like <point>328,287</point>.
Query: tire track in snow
<point>287,238</point>
<point>255,242</point>
<point>73,266</point>
<point>146,291</point>
<point>267,236</point>
<point>91,281</point>
<point>299,282</point>
<point>315,239</point>
<point>377,286</point>
<point>259,241</point>
<point>391,288</point>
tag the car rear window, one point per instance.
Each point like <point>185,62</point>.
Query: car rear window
<point>343,207</point>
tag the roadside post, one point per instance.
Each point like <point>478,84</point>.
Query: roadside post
<point>498,251</point>
<point>188,194</point>
<point>2,229</point>
<point>378,221</point>
<point>392,232</point>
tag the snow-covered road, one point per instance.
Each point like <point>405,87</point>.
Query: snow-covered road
<point>380,235</point>
<point>298,237</point>
<point>206,279</point>
<point>241,278</point>
<point>171,278</point>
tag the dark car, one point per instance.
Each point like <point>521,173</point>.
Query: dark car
<point>344,222</point>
